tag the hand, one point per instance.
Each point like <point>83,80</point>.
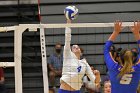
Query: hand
<point>58,72</point>
<point>68,21</point>
<point>98,85</point>
<point>117,30</point>
<point>117,26</point>
<point>96,72</point>
<point>136,28</point>
<point>98,78</point>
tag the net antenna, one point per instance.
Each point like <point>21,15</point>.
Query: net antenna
<point>43,52</point>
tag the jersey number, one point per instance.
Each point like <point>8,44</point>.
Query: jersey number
<point>79,68</point>
<point>126,79</point>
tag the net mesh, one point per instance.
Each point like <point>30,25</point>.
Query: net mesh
<point>91,37</point>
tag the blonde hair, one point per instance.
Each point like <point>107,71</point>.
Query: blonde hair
<point>127,63</point>
<point>138,89</point>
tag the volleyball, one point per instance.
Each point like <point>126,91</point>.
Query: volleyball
<point>71,12</point>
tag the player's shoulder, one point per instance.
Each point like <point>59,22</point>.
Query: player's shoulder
<point>84,60</point>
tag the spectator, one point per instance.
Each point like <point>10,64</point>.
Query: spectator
<point>55,64</point>
<point>89,85</point>
<point>135,50</point>
<point>107,87</point>
<point>2,86</point>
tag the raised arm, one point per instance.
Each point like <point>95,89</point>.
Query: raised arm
<point>117,30</point>
<point>108,58</point>
<point>135,30</point>
<point>67,48</point>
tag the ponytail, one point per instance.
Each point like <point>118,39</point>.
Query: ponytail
<point>127,63</point>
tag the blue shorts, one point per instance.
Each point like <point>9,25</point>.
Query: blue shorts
<point>66,91</point>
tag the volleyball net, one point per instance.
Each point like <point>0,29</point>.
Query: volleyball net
<point>90,36</point>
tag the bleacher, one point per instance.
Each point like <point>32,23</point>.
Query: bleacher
<point>90,39</point>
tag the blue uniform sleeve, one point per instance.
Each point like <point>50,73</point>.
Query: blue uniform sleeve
<point>111,64</point>
<point>137,67</point>
<point>138,42</point>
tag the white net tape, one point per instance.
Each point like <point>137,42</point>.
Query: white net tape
<point>5,29</point>
<point>7,64</point>
<point>74,25</point>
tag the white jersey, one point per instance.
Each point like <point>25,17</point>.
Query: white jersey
<point>74,69</point>
<point>89,83</point>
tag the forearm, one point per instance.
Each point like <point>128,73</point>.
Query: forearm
<point>90,74</point>
<point>137,36</point>
<point>51,68</point>
<point>67,37</point>
<point>67,48</point>
<point>113,36</point>
<point>97,82</point>
<point>98,79</point>
<point>59,72</point>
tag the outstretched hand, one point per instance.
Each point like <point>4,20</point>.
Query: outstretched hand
<point>117,30</point>
<point>117,26</point>
<point>136,28</point>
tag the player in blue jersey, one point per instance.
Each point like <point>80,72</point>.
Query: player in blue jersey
<point>124,78</point>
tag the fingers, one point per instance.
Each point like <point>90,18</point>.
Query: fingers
<point>117,26</point>
<point>118,22</point>
<point>136,28</point>
<point>137,23</point>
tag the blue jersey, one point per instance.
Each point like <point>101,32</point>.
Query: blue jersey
<point>128,83</point>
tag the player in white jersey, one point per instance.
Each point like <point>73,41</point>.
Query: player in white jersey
<point>73,68</point>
